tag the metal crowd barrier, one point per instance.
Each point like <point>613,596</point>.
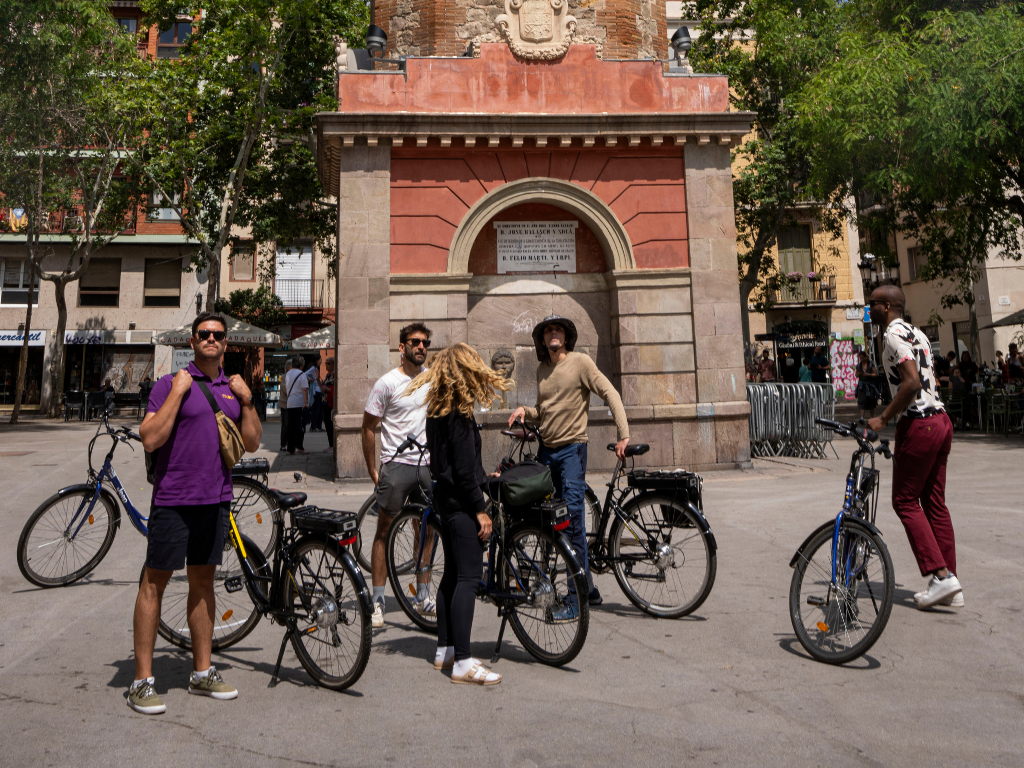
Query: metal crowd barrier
<point>782,419</point>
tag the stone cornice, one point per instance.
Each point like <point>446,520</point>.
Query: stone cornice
<point>337,131</point>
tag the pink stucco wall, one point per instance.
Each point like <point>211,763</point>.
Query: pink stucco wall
<point>499,83</point>
<point>433,189</point>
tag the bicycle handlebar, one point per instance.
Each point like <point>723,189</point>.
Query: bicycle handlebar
<point>863,435</point>
<point>408,443</point>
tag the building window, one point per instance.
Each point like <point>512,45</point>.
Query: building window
<point>100,286</point>
<point>243,263</point>
<point>916,262</point>
<point>14,276</point>
<point>162,284</point>
<point>169,43</point>
<point>795,249</point>
<point>160,208</point>
<point>131,26</point>
<point>292,275</point>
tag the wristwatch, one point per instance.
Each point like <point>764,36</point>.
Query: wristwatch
<point>245,403</point>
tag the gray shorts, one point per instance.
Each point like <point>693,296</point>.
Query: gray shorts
<point>397,483</point>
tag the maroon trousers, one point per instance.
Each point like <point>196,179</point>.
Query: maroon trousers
<point>919,490</point>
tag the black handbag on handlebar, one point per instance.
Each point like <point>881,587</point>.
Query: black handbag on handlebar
<point>528,482</point>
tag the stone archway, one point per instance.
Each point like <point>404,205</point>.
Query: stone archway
<point>562,194</point>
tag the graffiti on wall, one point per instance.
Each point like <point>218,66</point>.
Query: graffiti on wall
<point>844,368</point>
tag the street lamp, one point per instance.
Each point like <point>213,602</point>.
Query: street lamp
<point>681,44</point>
<point>376,40</point>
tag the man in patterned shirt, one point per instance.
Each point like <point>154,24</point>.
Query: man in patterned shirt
<point>924,435</point>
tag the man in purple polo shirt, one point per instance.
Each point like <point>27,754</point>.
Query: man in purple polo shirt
<point>192,493</point>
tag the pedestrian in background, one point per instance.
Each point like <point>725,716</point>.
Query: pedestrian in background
<point>867,387</point>
<point>457,380</point>
<point>296,388</point>
<point>766,368</point>
<point>314,419</point>
<point>820,366</point>
<point>192,493</point>
<point>805,371</point>
<point>328,389</point>
<point>924,435</point>
<point>282,406</point>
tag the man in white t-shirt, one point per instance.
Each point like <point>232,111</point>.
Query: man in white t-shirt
<point>399,416</point>
<point>295,392</point>
<point>924,435</point>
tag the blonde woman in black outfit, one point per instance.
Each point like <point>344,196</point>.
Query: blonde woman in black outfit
<point>458,379</point>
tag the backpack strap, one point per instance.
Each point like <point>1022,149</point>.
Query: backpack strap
<point>209,396</point>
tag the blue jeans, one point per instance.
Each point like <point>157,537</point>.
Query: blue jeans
<point>569,473</point>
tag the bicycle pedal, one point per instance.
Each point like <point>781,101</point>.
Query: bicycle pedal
<point>234,584</point>
<point>812,600</point>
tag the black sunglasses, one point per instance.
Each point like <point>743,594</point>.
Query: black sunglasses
<point>417,342</point>
<point>205,334</point>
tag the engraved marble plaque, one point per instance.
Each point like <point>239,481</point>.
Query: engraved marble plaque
<point>536,246</point>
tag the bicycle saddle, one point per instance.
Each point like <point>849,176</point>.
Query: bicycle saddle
<point>520,433</point>
<point>287,500</point>
<point>638,449</point>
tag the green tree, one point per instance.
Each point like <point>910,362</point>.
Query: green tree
<point>769,49</point>
<point>260,307</point>
<point>922,114</point>
<point>63,138</point>
<point>230,139</point>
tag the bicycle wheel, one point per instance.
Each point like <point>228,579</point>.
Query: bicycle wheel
<point>408,567</point>
<point>671,573</point>
<point>836,624</point>
<point>366,529</point>
<point>53,551</point>
<point>541,564</point>
<point>332,639</point>
<point>236,614</point>
<point>254,509</point>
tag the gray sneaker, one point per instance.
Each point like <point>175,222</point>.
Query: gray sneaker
<point>142,698</point>
<point>212,685</point>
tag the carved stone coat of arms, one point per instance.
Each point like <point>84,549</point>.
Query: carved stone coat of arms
<point>537,29</point>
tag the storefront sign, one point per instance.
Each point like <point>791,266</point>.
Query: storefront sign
<point>17,338</point>
<point>854,313</point>
<point>181,359</point>
<point>536,246</point>
<point>83,337</point>
<point>799,341</point>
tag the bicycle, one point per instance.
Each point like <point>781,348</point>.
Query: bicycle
<point>652,533</point>
<point>529,574</point>
<point>312,586</point>
<point>842,588</point>
<point>70,533</point>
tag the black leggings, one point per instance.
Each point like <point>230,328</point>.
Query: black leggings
<point>463,567</point>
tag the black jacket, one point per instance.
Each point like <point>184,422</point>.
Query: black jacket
<point>454,444</point>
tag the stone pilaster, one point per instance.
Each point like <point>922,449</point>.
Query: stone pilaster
<point>721,431</point>
<point>364,311</point>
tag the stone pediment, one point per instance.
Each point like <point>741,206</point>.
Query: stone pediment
<point>537,29</point>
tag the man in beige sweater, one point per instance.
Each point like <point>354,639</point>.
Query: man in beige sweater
<point>565,380</point>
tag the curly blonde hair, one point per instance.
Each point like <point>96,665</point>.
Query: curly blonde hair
<point>459,378</point>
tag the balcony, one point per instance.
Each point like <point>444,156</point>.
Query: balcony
<point>303,294</point>
<point>805,291</point>
<point>60,222</point>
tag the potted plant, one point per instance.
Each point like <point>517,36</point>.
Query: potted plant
<point>813,276</point>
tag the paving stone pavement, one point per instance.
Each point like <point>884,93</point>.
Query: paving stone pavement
<point>727,686</point>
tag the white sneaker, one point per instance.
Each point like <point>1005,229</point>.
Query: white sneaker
<point>426,608</point>
<point>938,591</point>
<point>377,619</point>
<point>956,601</point>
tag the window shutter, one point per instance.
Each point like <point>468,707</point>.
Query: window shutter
<point>102,274</point>
<point>163,277</point>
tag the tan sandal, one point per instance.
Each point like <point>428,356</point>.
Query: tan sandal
<point>478,674</point>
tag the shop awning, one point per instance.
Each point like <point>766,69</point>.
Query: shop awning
<point>322,339</point>
<point>239,335</point>
<point>1017,318</point>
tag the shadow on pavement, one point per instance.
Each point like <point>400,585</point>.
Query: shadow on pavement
<point>791,645</point>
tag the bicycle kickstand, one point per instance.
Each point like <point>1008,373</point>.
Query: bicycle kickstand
<point>501,634</point>
<point>274,678</point>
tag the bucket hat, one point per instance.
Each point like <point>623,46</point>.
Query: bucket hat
<point>538,334</point>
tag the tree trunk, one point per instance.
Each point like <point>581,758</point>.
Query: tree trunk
<point>213,284</point>
<point>23,360</point>
<point>59,348</point>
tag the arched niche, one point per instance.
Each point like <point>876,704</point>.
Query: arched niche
<point>590,209</point>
